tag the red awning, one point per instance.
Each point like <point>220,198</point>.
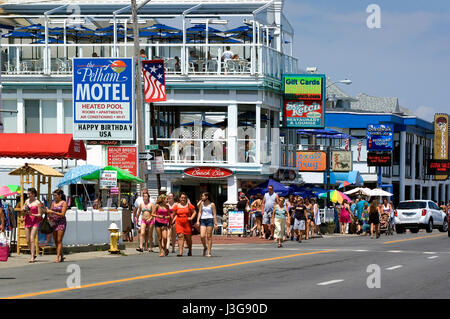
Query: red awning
<point>48,146</point>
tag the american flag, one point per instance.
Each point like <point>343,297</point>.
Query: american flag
<point>154,81</point>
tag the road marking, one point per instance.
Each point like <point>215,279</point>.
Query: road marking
<point>394,251</point>
<point>330,282</point>
<point>415,238</point>
<point>433,257</point>
<point>429,252</point>
<point>361,250</point>
<point>394,267</point>
<point>162,274</point>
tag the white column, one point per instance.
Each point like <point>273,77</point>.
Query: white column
<point>421,164</point>
<point>402,165</point>
<point>429,192</point>
<point>436,192</point>
<point>20,112</point>
<point>413,169</point>
<point>146,125</point>
<point>232,134</point>
<point>442,193</point>
<point>59,112</point>
<point>232,190</point>
<point>276,149</point>
<point>169,186</point>
<point>258,134</point>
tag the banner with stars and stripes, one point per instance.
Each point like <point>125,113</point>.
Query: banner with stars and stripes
<point>154,81</point>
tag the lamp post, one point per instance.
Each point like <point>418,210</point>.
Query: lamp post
<point>328,161</point>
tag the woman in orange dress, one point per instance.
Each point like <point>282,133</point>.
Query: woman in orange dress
<point>184,212</point>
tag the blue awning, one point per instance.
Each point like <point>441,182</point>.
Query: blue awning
<point>353,177</point>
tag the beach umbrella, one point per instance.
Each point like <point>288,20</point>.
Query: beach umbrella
<point>32,27</point>
<point>160,28</point>
<point>122,175</point>
<point>379,192</point>
<point>335,196</point>
<point>9,190</point>
<point>359,191</point>
<point>75,175</point>
<point>243,28</point>
<point>119,27</point>
<point>22,35</point>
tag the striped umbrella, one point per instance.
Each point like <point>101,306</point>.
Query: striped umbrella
<point>336,196</point>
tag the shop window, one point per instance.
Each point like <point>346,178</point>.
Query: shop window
<point>32,120</point>
<point>48,111</point>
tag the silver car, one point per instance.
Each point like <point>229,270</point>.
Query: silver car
<point>420,214</point>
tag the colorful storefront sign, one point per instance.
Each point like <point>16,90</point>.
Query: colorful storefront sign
<point>108,179</point>
<point>441,140</point>
<point>342,161</point>
<point>304,100</point>
<point>438,167</point>
<point>311,161</point>
<point>103,99</point>
<point>208,172</point>
<point>380,137</point>
<point>124,158</point>
<point>379,159</point>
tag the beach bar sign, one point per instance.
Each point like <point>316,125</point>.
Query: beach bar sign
<point>103,99</point>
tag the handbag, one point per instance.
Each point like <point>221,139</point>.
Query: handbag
<point>46,228</point>
<point>4,247</point>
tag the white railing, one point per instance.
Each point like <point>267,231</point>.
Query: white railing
<point>23,59</point>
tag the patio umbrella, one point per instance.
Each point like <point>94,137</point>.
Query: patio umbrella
<point>359,191</point>
<point>122,175</point>
<point>75,175</point>
<point>203,123</point>
<point>379,192</point>
<point>9,190</point>
<point>242,28</point>
<point>32,27</point>
<point>22,35</point>
<point>161,28</point>
<point>335,196</point>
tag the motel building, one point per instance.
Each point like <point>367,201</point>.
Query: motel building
<point>413,145</point>
<point>218,130</point>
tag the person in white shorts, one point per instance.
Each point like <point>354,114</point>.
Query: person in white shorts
<point>270,198</point>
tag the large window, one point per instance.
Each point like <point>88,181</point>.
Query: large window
<point>49,122</point>
<point>8,120</point>
<point>40,116</point>
<point>68,116</point>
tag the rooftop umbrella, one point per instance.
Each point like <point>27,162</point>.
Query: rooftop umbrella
<point>159,27</point>
<point>34,27</point>
<point>9,190</point>
<point>74,175</point>
<point>243,28</point>
<point>122,175</point>
<point>22,35</point>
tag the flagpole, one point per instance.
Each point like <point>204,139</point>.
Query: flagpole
<point>153,124</point>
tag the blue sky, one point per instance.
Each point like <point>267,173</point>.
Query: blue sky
<point>408,57</point>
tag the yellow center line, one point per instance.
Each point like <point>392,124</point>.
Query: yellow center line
<point>401,240</point>
<point>34,294</point>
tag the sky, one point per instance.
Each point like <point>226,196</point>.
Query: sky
<point>407,57</point>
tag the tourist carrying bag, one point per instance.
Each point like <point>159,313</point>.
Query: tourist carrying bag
<point>4,247</point>
<point>46,228</point>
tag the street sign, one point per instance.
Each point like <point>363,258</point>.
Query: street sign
<point>152,147</point>
<point>145,156</point>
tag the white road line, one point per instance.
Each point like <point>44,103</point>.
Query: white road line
<point>394,267</point>
<point>432,257</point>
<point>429,252</point>
<point>394,251</point>
<point>330,282</point>
<point>361,250</point>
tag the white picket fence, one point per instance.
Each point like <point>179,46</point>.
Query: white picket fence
<point>91,226</point>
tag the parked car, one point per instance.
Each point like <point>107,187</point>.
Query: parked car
<point>420,214</point>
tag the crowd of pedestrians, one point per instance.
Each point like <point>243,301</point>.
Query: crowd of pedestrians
<point>174,218</point>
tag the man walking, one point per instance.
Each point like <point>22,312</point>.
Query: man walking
<point>269,201</point>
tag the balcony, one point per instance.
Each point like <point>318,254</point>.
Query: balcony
<point>260,60</point>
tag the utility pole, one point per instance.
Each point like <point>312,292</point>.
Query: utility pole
<point>138,88</point>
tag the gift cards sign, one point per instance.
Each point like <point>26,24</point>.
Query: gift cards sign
<point>304,100</point>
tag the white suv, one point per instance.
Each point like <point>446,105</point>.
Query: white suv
<point>420,214</point>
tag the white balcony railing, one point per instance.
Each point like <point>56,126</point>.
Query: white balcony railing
<point>56,59</point>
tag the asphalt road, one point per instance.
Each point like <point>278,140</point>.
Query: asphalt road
<point>410,266</point>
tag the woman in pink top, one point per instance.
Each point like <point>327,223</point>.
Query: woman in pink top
<point>345,216</point>
<point>32,220</point>
<point>161,213</point>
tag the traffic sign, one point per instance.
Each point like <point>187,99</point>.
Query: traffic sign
<point>152,147</point>
<point>145,156</point>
